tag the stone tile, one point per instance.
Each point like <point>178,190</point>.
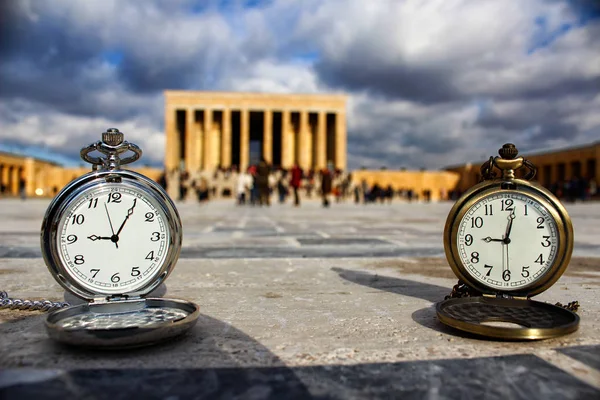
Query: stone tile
<point>589,355</point>
<point>309,252</point>
<point>517,377</point>
<point>344,242</point>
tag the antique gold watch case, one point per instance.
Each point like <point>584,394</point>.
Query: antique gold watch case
<point>109,320</point>
<point>479,309</point>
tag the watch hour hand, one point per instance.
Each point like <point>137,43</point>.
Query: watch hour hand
<point>489,239</point>
<point>96,237</point>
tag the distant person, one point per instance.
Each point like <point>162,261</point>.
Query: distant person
<point>281,189</point>
<point>243,185</point>
<point>365,190</point>
<point>262,182</point>
<point>326,186</point>
<point>22,189</point>
<point>253,187</point>
<point>295,181</point>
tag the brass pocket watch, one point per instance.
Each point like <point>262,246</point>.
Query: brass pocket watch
<point>507,239</point>
<point>111,237</point>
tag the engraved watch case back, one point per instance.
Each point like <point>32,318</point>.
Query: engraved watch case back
<point>114,265</point>
<point>507,239</point>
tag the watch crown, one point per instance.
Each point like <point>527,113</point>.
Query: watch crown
<point>112,137</point>
<point>508,151</point>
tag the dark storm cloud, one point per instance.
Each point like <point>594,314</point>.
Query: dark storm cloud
<point>357,73</point>
<point>43,62</point>
<point>48,61</point>
<point>541,120</point>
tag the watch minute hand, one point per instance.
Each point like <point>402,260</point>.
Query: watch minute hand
<point>129,212</point>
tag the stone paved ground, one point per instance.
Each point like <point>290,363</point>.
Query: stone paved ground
<point>304,302</point>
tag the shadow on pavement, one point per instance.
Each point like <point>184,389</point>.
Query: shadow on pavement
<point>405,287</point>
<point>213,360</point>
<point>427,316</point>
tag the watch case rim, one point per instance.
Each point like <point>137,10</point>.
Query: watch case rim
<point>538,193</point>
<point>122,338</point>
<point>96,179</point>
<point>507,333</point>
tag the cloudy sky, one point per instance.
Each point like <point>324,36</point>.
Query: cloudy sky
<point>431,82</point>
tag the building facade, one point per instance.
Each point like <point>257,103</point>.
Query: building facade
<point>206,131</point>
<point>33,177</point>
<point>554,168</point>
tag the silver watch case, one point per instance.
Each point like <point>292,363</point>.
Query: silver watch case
<point>115,320</point>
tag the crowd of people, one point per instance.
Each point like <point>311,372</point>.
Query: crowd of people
<point>260,182</point>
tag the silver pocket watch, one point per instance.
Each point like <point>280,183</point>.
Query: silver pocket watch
<point>111,237</point>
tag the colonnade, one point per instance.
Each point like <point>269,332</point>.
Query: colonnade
<point>10,176</point>
<point>205,131</point>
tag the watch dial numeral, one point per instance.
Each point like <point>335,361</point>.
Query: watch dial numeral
<point>476,222</point>
<point>114,197</point>
<point>93,230</point>
<point>78,219</point>
<point>507,205</point>
<point>489,267</point>
<point>501,234</point>
<point>546,242</point>
<point>469,240</point>
<point>540,260</point>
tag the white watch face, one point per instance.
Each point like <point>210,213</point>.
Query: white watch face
<point>507,240</point>
<point>113,239</point>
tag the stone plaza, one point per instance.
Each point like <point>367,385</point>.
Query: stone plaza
<point>304,302</point>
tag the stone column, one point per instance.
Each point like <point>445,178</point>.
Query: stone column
<point>191,158</point>
<point>199,143</point>
<point>244,139</point>
<point>287,140</point>
<point>321,142</point>
<point>172,155</point>
<point>267,144</point>
<point>14,183</point>
<point>30,181</point>
<point>226,139</point>
<point>3,174</point>
<point>304,142</point>
<point>209,164</point>
<point>340,140</point>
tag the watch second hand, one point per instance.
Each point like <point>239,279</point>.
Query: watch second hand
<point>110,222</point>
